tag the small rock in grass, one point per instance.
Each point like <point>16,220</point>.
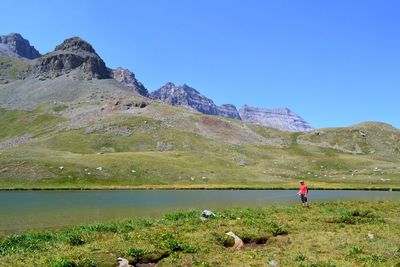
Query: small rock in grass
<point>133,171</point>
<point>370,236</point>
<point>61,167</point>
<point>273,263</point>
<point>99,168</point>
<point>207,214</point>
<point>238,242</point>
<point>123,262</point>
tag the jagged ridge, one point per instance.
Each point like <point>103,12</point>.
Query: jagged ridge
<point>14,45</point>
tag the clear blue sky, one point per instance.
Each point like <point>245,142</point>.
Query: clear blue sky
<point>333,62</point>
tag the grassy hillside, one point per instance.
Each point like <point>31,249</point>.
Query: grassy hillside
<point>326,234</point>
<point>63,145</point>
<point>12,68</point>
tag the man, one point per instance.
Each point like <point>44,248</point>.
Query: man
<point>303,192</point>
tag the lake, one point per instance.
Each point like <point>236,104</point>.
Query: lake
<point>26,210</point>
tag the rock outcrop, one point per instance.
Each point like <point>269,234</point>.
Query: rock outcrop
<point>14,45</point>
<point>127,78</point>
<point>74,56</point>
<point>282,118</point>
<point>185,96</point>
<point>229,111</point>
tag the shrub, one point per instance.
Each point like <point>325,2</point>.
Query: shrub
<point>63,263</point>
<point>76,240</point>
<point>137,252</point>
<point>355,250</point>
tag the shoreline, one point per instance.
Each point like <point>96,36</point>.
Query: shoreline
<point>160,187</point>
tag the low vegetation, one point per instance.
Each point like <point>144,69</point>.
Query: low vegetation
<point>326,234</point>
<point>166,147</point>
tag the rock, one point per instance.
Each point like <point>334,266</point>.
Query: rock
<point>61,167</point>
<point>123,262</point>
<point>15,45</point>
<point>370,236</point>
<point>127,78</point>
<point>186,96</point>
<point>99,168</point>
<point>207,214</point>
<point>283,118</point>
<point>229,111</point>
<point>74,54</point>
<point>238,242</point>
<point>273,263</point>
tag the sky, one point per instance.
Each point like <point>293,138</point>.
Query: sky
<point>333,62</point>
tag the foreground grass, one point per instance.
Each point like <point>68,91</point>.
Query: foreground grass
<point>326,234</point>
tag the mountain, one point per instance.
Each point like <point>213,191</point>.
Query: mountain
<point>65,114</point>
<point>127,78</point>
<point>73,72</point>
<point>14,45</point>
<point>283,118</point>
<point>188,97</point>
<point>75,57</point>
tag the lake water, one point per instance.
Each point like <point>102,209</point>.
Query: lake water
<point>26,210</point>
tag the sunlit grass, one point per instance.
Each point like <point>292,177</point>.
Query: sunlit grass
<point>326,234</point>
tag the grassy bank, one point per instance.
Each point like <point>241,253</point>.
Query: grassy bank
<point>326,234</point>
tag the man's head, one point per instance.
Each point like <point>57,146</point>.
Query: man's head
<point>301,182</point>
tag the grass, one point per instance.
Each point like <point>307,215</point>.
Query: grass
<point>194,151</point>
<point>11,68</point>
<point>321,235</point>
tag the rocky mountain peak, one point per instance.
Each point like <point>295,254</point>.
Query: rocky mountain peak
<point>127,78</point>
<point>186,96</point>
<point>280,118</point>
<point>74,57</point>
<point>15,45</point>
<point>75,44</point>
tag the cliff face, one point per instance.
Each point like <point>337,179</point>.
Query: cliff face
<point>283,119</point>
<point>73,55</point>
<point>14,45</point>
<point>186,96</point>
<point>127,78</point>
<point>229,111</point>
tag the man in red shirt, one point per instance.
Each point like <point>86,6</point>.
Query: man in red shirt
<point>303,192</point>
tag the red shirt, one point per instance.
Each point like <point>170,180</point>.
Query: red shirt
<point>303,189</point>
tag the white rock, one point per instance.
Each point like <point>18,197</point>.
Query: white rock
<point>61,167</point>
<point>370,236</point>
<point>133,171</point>
<point>123,262</point>
<point>99,168</point>
<point>273,263</point>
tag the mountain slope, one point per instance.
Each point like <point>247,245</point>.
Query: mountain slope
<point>283,119</point>
<point>65,125</point>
